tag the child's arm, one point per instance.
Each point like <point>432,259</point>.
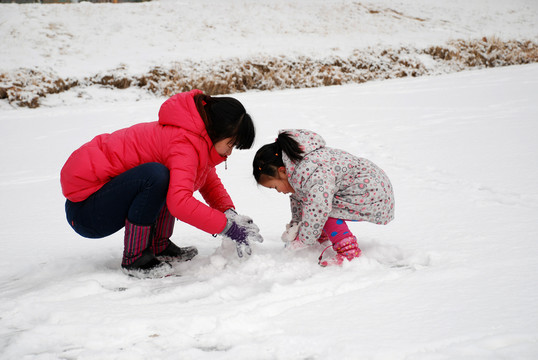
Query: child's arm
<point>292,228</point>
<point>296,210</point>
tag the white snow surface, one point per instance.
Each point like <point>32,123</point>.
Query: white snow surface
<point>453,277</point>
<point>83,39</point>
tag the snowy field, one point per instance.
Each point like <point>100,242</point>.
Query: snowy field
<point>84,39</point>
<point>453,277</point>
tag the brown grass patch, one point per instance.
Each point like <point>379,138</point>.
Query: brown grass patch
<point>25,87</point>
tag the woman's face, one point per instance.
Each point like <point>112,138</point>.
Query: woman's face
<point>279,183</point>
<point>225,146</point>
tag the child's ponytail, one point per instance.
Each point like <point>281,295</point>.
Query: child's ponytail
<point>290,146</point>
<point>269,157</point>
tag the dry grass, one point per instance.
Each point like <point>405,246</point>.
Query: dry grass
<point>487,52</point>
<point>26,87</point>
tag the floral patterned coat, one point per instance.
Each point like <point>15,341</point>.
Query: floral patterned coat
<point>330,182</point>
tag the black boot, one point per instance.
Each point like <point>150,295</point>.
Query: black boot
<point>176,253</point>
<point>147,266</point>
<point>138,259</point>
<point>163,248</point>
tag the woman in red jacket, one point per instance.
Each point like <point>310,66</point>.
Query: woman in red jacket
<point>143,178</point>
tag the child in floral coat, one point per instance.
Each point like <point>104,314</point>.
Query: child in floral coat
<point>328,187</point>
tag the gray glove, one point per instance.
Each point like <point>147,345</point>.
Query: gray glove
<point>240,233</point>
<point>242,219</point>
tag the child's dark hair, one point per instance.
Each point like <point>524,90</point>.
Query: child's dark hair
<point>225,117</point>
<point>268,158</point>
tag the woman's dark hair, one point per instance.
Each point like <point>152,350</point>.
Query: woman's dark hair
<point>225,117</point>
<point>268,158</point>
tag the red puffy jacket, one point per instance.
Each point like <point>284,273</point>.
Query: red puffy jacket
<point>179,141</point>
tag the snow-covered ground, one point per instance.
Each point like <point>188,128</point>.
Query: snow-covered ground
<point>453,277</point>
<point>87,38</point>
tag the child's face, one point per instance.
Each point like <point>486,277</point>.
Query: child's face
<point>279,183</point>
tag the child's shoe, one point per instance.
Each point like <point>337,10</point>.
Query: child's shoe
<point>175,253</point>
<point>147,266</point>
<point>345,249</point>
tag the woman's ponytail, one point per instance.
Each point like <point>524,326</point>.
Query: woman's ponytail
<point>201,100</point>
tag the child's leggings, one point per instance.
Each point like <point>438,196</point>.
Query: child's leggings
<point>336,229</point>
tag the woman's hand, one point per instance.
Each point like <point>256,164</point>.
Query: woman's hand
<point>242,219</point>
<point>241,232</point>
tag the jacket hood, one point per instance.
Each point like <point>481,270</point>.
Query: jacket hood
<point>307,139</point>
<point>180,110</point>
